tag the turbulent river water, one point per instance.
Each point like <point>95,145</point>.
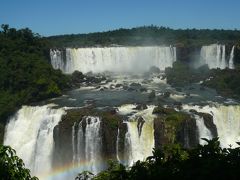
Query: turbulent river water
<point>30,130</point>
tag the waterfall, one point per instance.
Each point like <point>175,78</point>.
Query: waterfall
<point>231,60</point>
<point>57,59</point>
<point>30,133</point>
<point>117,148</point>
<point>87,153</point>
<point>114,59</point>
<point>226,118</point>
<point>223,64</point>
<point>74,142</point>
<point>203,131</point>
<point>139,144</point>
<point>215,56</point>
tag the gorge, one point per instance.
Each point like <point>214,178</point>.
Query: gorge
<point>119,120</point>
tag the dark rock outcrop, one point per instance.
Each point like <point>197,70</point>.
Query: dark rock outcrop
<point>141,107</point>
<point>208,122</point>
<point>187,133</point>
<point>172,126</point>
<point>152,95</point>
<point>111,124</point>
<point>154,70</point>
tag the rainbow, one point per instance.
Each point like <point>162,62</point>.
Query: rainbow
<point>70,171</point>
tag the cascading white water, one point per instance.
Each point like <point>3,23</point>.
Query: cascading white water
<point>30,133</point>
<point>87,153</point>
<point>203,131</point>
<point>57,59</point>
<point>117,148</point>
<point>74,142</point>
<point>223,63</point>
<point>231,61</point>
<point>139,141</point>
<point>114,59</point>
<point>227,120</point>
<point>215,56</point>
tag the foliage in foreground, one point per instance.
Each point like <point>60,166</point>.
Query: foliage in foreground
<point>11,166</point>
<point>208,161</point>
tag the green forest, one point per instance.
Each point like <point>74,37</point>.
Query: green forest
<point>26,74</point>
<point>148,35</point>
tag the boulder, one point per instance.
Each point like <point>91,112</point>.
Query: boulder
<point>159,110</point>
<point>143,90</point>
<point>166,94</point>
<point>154,70</point>
<point>118,85</point>
<point>135,85</point>
<point>141,107</point>
<point>152,95</point>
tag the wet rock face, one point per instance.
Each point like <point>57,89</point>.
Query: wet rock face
<point>154,70</point>
<point>187,134</point>
<point>159,133</point>
<point>62,145</point>
<point>208,122</point>
<point>109,124</point>
<point>171,127</point>
<point>109,132</point>
<point>141,107</point>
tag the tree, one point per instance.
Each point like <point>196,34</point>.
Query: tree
<point>11,166</point>
<point>5,28</point>
<point>209,161</point>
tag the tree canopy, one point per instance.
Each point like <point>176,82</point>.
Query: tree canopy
<point>25,72</point>
<point>11,166</point>
<point>209,161</point>
<point>147,35</point>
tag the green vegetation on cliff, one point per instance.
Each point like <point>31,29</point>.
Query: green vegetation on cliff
<point>172,127</point>
<point>181,74</point>
<point>226,82</point>
<point>25,73</point>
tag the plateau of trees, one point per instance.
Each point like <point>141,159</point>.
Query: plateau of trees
<point>148,35</point>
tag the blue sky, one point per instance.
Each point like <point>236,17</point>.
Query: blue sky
<point>52,17</point>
